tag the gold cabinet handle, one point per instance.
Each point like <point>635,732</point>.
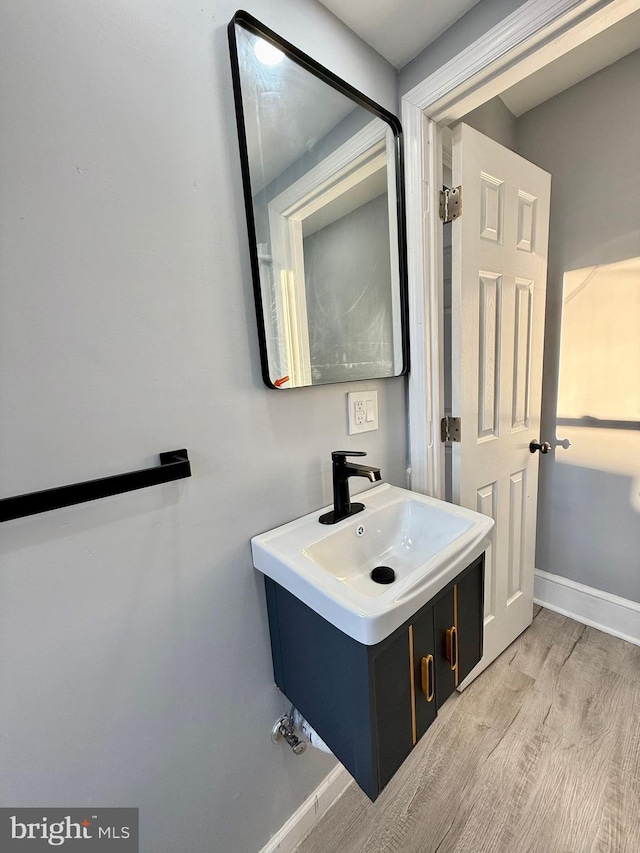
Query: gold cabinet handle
<point>452,646</point>
<point>427,677</point>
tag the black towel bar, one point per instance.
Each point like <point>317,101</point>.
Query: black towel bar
<point>174,465</point>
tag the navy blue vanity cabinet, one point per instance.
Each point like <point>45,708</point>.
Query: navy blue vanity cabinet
<point>357,697</point>
<point>371,704</point>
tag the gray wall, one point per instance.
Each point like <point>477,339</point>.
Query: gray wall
<point>589,500</point>
<point>348,287</point>
<point>495,120</point>
<point>135,666</point>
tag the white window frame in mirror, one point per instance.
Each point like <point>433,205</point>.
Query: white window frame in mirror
<point>368,151</point>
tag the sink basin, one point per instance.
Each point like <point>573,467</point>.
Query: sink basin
<point>426,542</point>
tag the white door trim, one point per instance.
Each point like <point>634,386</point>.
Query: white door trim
<point>424,265</point>
<point>534,35</point>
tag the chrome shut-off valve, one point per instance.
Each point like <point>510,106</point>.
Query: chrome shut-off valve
<point>284,730</point>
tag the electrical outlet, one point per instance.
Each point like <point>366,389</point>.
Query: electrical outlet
<point>363,411</point>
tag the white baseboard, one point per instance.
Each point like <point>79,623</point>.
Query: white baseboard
<point>609,613</point>
<point>309,813</point>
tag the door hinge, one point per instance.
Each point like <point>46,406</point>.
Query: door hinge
<point>450,204</point>
<point>450,429</point>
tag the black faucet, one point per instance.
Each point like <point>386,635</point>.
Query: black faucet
<point>342,470</point>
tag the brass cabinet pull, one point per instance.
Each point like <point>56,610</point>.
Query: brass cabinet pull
<point>452,646</point>
<point>427,677</point>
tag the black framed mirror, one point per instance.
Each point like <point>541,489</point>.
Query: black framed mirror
<point>323,186</point>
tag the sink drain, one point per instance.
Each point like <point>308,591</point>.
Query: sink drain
<point>383,574</point>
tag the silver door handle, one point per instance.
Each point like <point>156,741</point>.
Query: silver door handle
<point>545,447</point>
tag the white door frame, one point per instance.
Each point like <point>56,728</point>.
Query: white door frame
<point>534,35</point>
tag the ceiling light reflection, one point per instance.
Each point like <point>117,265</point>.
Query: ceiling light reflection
<point>267,53</point>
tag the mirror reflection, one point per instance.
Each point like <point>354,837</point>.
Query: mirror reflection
<point>320,169</point>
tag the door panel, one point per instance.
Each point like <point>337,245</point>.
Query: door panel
<point>517,522</point>
<point>486,504</point>
<point>499,261</point>
<point>489,356</point>
<point>522,354</point>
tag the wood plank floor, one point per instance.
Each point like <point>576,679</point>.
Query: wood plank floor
<point>541,754</point>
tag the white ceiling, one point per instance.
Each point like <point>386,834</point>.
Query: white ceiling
<point>399,29</point>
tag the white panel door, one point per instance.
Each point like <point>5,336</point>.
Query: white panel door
<point>499,268</point>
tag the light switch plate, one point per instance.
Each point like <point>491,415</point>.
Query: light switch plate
<point>363,411</point>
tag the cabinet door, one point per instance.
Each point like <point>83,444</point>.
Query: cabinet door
<point>446,644</point>
<point>392,704</point>
<point>470,607</point>
<point>424,671</point>
<point>458,618</point>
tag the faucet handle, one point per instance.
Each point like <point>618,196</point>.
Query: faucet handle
<point>340,455</point>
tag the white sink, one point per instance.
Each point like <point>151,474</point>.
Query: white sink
<point>427,542</point>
